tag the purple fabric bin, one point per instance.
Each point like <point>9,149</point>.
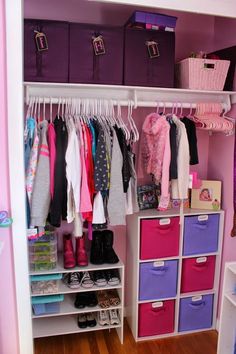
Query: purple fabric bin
<point>153,19</point>
<point>196,314</point>
<point>158,280</point>
<point>140,69</point>
<point>85,66</point>
<point>50,65</point>
<point>201,236</point>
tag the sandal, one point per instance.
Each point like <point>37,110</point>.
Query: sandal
<point>87,281</point>
<point>99,278</point>
<point>113,297</point>
<point>103,299</point>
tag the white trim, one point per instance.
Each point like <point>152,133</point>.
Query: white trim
<point>14,45</point>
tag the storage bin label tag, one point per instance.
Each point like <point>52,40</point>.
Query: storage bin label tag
<point>164,222</point>
<point>41,41</point>
<point>157,304</point>
<point>197,298</point>
<point>202,217</point>
<point>201,260</point>
<point>159,264</point>
<point>98,45</point>
<point>153,50</point>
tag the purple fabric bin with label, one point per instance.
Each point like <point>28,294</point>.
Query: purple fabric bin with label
<point>201,234</point>
<point>88,65</point>
<point>153,19</point>
<point>196,313</point>
<point>158,280</point>
<point>48,63</point>
<point>149,58</point>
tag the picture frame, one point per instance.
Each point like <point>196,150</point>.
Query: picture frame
<point>207,196</point>
<point>148,196</point>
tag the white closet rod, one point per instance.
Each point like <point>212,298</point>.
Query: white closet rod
<point>125,103</point>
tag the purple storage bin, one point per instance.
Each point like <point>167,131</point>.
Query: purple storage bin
<point>201,236</point>
<point>87,67</point>
<point>158,280</point>
<point>51,64</point>
<point>153,19</point>
<point>196,314</point>
<point>149,58</point>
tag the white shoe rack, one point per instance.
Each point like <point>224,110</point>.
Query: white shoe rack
<point>65,322</point>
<point>227,328</point>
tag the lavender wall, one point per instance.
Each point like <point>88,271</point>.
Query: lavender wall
<point>8,319</point>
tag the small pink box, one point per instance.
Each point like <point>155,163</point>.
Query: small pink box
<point>198,274</point>
<point>202,74</point>
<point>159,238</point>
<point>156,318</point>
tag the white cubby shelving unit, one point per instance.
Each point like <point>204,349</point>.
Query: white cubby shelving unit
<point>65,322</point>
<point>134,262</point>
<point>227,327</point>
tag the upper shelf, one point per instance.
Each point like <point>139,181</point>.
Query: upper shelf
<point>141,96</point>
<point>226,8</point>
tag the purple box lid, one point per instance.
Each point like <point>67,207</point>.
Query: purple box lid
<point>153,19</point>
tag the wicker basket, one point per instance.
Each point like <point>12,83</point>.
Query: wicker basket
<point>202,74</point>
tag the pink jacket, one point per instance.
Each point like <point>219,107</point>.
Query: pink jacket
<point>155,152</point>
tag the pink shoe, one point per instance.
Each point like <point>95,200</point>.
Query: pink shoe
<point>81,255</point>
<point>69,257</point>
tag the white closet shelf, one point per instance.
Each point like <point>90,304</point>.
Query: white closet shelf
<point>231,298</point>
<point>207,7</point>
<point>153,213</point>
<point>176,257</point>
<point>63,289</point>
<point>90,267</point>
<point>198,293</point>
<point>54,326</point>
<point>140,96</point>
<point>67,308</point>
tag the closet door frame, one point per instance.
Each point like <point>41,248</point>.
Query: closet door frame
<point>15,106</point>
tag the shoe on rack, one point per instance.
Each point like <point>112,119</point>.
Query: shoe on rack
<point>103,318</point>
<point>68,252</point>
<point>87,280</point>
<point>91,319</point>
<point>99,278</point>
<point>112,277</point>
<point>72,280</point>
<point>82,321</point>
<point>81,255</point>
<point>109,255</point>
<point>86,298</point>
<point>96,253</point>
<point>114,319</point>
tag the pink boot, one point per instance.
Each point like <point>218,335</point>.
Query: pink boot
<point>81,255</point>
<point>69,256</point>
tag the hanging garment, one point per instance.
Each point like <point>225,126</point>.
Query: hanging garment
<point>58,208</point>
<point>179,187</point>
<point>73,172</point>
<point>156,153</point>
<point>32,166</point>
<point>52,155</point>
<point>41,192</point>
<point>101,166</point>
<point>126,174</point>
<point>173,149</point>
<point>192,140</point>
<point>30,127</point>
<point>98,210</point>
<point>131,195</point>
<point>116,200</point>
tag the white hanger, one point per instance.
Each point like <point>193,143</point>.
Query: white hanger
<point>132,124</point>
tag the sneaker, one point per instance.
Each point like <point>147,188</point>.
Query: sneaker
<point>114,319</point>
<point>72,280</point>
<point>103,318</point>
<point>99,278</point>
<point>87,281</point>
<point>112,276</point>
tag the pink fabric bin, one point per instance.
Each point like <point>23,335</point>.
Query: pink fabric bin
<point>156,320</point>
<point>197,275</point>
<point>159,240</point>
<point>202,74</point>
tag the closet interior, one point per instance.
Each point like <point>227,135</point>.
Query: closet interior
<point>117,110</point>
